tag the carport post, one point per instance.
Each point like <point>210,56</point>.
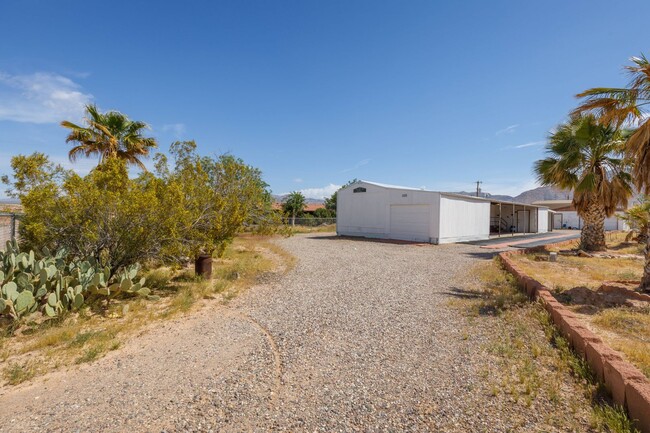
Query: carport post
<point>525,219</point>
<point>513,219</point>
<point>499,222</point>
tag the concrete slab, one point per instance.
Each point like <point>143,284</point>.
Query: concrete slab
<point>528,241</point>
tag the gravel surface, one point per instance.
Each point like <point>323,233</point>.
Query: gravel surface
<point>358,337</point>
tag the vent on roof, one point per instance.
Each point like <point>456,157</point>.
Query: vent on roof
<point>359,189</point>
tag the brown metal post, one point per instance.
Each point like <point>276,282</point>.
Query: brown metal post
<point>527,220</point>
<point>203,266</point>
<point>513,219</point>
<point>13,226</point>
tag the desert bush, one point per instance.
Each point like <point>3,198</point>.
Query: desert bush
<point>197,206</point>
<point>209,200</point>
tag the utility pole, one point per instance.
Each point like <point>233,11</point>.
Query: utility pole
<point>478,188</point>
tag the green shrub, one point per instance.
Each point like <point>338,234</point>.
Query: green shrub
<point>197,206</point>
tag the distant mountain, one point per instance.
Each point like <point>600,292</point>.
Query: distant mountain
<point>281,198</point>
<point>544,193</point>
<point>536,194</point>
<point>487,195</point>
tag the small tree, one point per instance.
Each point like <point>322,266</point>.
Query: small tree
<point>294,205</point>
<point>638,219</point>
<point>330,203</point>
<point>104,215</point>
<point>323,213</point>
<point>208,201</point>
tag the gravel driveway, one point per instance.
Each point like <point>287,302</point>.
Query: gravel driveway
<point>358,337</point>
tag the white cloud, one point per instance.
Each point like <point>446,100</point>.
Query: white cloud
<point>298,180</point>
<point>357,165</point>
<point>320,193</point>
<point>41,97</point>
<point>507,130</point>
<point>512,188</point>
<point>177,129</point>
<point>530,144</point>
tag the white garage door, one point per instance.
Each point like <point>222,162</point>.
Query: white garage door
<point>410,222</point>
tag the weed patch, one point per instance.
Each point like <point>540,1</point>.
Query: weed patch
<point>16,373</point>
<point>531,364</point>
<point>91,333</point>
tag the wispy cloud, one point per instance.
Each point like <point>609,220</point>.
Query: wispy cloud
<point>298,180</point>
<point>507,130</point>
<point>357,165</point>
<point>320,193</point>
<point>177,129</point>
<point>525,145</point>
<point>530,144</point>
<point>41,97</point>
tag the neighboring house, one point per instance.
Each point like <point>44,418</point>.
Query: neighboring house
<point>567,217</point>
<point>310,208</point>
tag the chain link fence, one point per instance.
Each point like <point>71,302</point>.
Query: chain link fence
<point>9,223</point>
<point>310,221</point>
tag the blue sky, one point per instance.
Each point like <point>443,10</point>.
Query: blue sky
<point>314,93</point>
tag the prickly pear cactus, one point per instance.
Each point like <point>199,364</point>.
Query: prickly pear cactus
<point>54,285</point>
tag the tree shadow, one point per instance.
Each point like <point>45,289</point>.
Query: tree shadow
<point>589,302</point>
<point>457,292</point>
<point>488,255</point>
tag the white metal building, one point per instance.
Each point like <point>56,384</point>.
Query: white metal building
<point>565,216</point>
<point>376,210</point>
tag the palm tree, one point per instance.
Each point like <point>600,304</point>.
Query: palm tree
<point>638,219</point>
<point>294,205</point>
<point>109,135</point>
<point>617,106</point>
<point>586,158</point>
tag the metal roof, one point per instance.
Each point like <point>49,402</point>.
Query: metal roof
<point>451,194</point>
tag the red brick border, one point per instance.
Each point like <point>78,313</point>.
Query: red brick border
<point>626,383</point>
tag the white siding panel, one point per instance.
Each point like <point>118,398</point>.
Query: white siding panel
<point>410,222</point>
<point>572,220</point>
<point>364,213</point>
<point>542,220</point>
<point>463,219</point>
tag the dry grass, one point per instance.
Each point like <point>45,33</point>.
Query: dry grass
<point>318,229</point>
<point>532,364</point>
<point>627,331</point>
<point>572,271</point>
<point>616,243</point>
<point>39,347</point>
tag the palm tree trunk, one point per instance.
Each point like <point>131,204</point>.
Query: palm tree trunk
<point>593,233</point>
<point>645,281</point>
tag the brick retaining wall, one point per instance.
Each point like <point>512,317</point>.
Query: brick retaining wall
<point>627,384</point>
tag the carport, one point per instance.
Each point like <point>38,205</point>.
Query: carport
<point>508,218</point>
